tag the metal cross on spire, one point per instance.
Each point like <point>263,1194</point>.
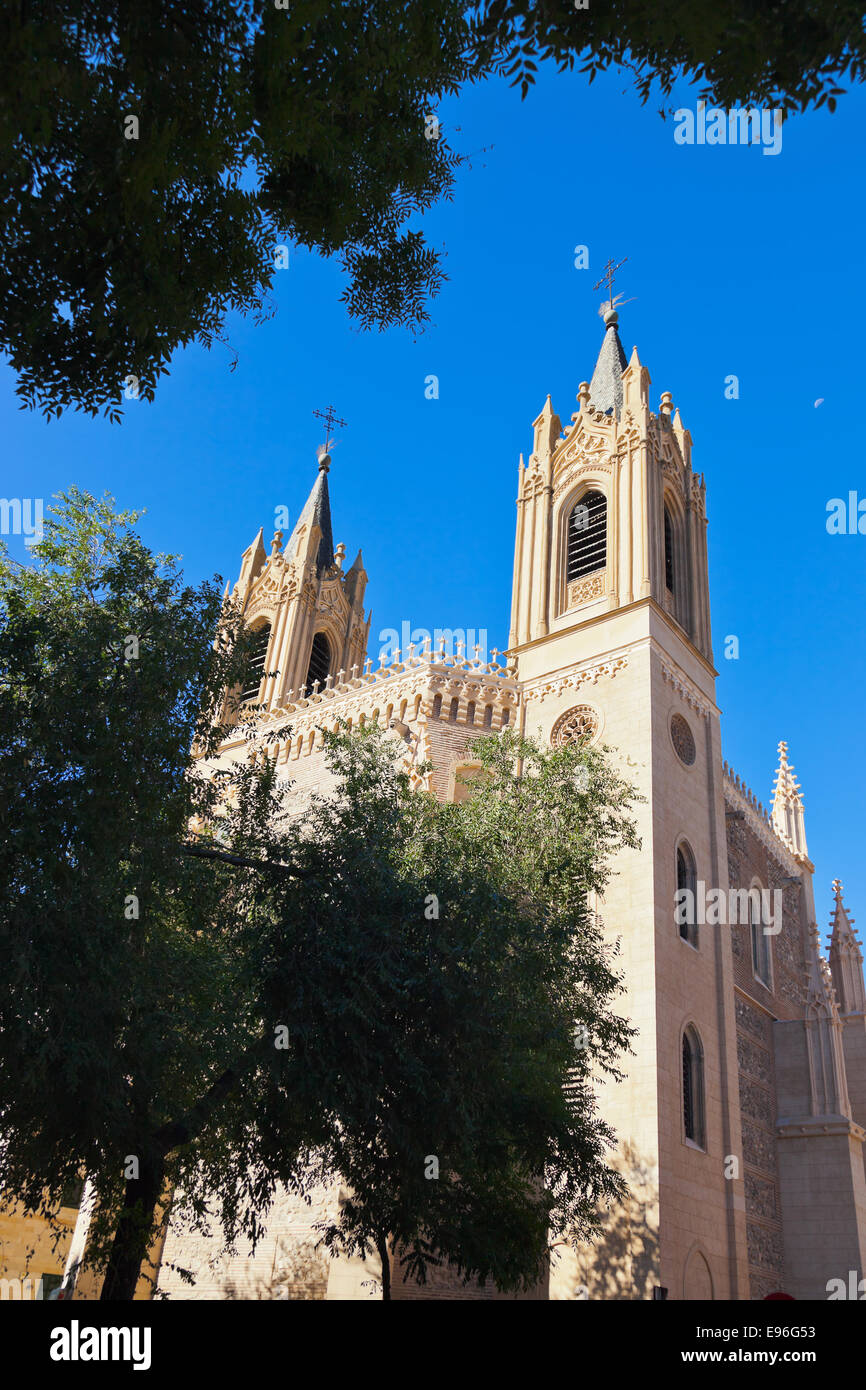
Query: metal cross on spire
<point>609,272</point>
<point>331,418</point>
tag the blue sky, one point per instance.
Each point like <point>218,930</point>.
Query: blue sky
<point>738,263</point>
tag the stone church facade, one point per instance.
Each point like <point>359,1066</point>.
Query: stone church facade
<point>742,1120</point>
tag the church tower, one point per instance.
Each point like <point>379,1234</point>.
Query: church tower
<point>610,633</point>
<point>308,612</point>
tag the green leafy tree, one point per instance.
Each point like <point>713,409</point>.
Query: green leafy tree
<point>277,997</point>
<point>118,950</point>
<point>482,951</point>
<point>786,53</point>
<point>154,156</point>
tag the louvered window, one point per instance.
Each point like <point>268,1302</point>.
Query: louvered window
<point>256,666</point>
<point>587,536</point>
<point>320,662</point>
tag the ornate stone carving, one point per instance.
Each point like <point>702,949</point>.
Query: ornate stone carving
<point>686,689</point>
<point>575,679</point>
<point>579,722</point>
<point>683,740</point>
<point>582,590</point>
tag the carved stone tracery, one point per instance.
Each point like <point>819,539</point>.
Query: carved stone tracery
<point>579,722</point>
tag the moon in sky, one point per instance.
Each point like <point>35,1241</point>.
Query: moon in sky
<point>819,401</point>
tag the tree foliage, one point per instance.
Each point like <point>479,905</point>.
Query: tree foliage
<point>283,1005</point>
<point>789,54</point>
<point>487,982</point>
<point>153,156</point>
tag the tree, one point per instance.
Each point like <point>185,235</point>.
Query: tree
<point>274,996</point>
<point>117,949</point>
<point>483,950</point>
<point>788,54</point>
<point>156,156</point>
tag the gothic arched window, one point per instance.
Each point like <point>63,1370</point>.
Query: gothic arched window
<point>256,662</point>
<point>687,885</point>
<point>693,1087</point>
<point>320,662</point>
<point>760,939</point>
<point>669,551</point>
<point>586,537</point>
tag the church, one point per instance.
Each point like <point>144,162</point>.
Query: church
<point>742,1120</point>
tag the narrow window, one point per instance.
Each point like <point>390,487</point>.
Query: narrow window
<point>687,895</point>
<point>586,542</point>
<point>760,944</point>
<point>693,1087</point>
<point>437,706</point>
<point>669,551</point>
<point>256,664</point>
<point>320,663</point>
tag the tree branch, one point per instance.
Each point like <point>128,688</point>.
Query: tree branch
<point>241,862</point>
<point>176,1132</point>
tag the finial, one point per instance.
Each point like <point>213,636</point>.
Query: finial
<point>276,542</point>
<point>331,418</point>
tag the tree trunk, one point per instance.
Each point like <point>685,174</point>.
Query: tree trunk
<point>382,1244</point>
<point>135,1225</point>
<point>134,1230</point>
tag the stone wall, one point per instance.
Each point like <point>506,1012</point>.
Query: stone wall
<point>757,1006</point>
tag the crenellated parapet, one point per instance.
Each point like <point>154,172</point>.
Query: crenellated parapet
<point>741,798</point>
<point>426,688</point>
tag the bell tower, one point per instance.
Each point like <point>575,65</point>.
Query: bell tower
<point>609,512</point>
<point>308,610</point>
<point>610,634</point>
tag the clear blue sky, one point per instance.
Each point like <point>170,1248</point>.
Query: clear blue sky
<point>739,263</point>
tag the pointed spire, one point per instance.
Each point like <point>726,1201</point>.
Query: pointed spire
<point>253,561</point>
<point>846,958</point>
<point>829,1086</point>
<point>605,389</point>
<point>547,427</point>
<point>316,512</point>
<point>787,812</point>
<point>635,383</point>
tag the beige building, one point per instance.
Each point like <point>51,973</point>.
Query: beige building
<point>741,1123</point>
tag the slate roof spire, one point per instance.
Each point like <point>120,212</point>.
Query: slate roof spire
<point>605,389</point>
<point>317,512</point>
